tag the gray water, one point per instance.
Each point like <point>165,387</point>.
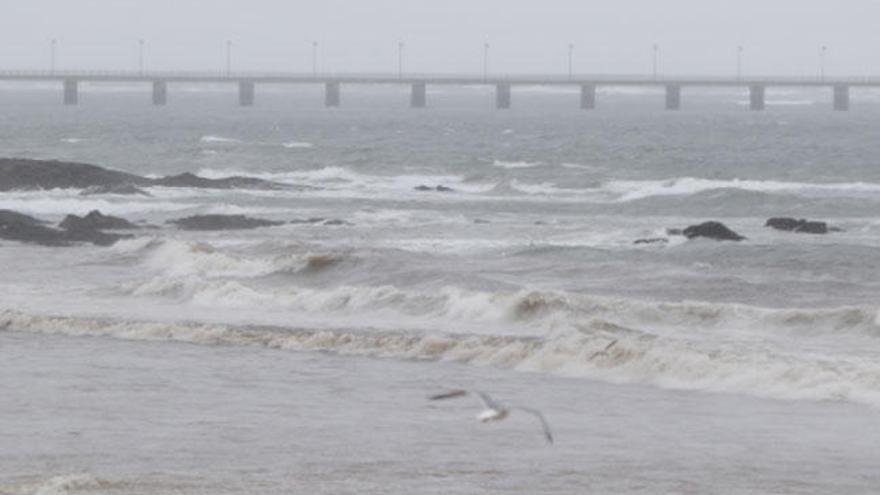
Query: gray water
<point>298,358</point>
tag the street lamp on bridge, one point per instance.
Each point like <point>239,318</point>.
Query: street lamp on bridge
<point>656,53</point>
<point>314,59</point>
<point>570,61</point>
<point>400,46</point>
<point>485,61</point>
<point>141,57</point>
<point>739,56</point>
<point>822,51</point>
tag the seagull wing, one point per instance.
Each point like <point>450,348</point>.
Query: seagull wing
<point>452,394</point>
<point>546,426</point>
<point>487,401</point>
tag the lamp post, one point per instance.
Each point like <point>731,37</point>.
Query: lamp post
<point>141,57</point>
<point>822,51</point>
<point>570,61</point>
<point>739,55</point>
<point>485,61</point>
<point>656,52</point>
<point>314,59</point>
<point>400,46</point>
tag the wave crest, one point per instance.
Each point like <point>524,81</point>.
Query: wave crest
<point>599,350</point>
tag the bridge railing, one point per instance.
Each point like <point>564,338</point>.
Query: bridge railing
<point>492,78</point>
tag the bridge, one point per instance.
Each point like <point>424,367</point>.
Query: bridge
<point>69,81</point>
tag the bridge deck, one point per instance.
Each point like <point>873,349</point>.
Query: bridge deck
<point>433,79</point>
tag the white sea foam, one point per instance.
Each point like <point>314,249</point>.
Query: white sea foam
<point>628,190</point>
<point>73,140</point>
<point>61,202</point>
<point>218,139</point>
<point>62,485</point>
<point>515,164</point>
<point>298,145</point>
<point>599,350</point>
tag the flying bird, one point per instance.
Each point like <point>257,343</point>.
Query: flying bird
<point>495,411</point>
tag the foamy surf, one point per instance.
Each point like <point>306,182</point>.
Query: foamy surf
<point>598,350</point>
<point>298,145</point>
<point>218,139</point>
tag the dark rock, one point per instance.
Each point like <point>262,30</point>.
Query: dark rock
<point>480,221</point>
<point>794,225</point>
<point>300,221</point>
<point>674,232</point>
<point>235,182</point>
<point>652,240</point>
<point>22,174</point>
<point>337,222</point>
<point>440,188</point>
<point>126,189</point>
<point>18,227</point>
<point>222,222</point>
<point>95,220</point>
<point>712,230</point>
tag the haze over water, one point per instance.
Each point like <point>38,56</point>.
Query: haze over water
<point>297,358</point>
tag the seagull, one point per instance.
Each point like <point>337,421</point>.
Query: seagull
<point>495,411</point>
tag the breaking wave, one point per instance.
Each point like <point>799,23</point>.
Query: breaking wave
<point>596,350</point>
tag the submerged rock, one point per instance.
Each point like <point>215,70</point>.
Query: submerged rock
<point>235,182</point>
<point>15,226</point>
<point>95,220</point>
<point>803,226</point>
<point>652,240</point>
<point>712,230</point>
<point>440,188</point>
<point>338,222</point>
<point>222,222</point>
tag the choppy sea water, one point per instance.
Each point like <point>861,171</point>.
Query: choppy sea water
<point>299,357</point>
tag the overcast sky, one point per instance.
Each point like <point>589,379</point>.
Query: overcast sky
<point>610,36</point>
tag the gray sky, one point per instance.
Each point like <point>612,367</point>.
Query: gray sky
<point>610,36</point>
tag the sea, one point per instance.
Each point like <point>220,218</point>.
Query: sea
<point>299,358</point>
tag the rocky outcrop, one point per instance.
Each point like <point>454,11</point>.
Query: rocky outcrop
<point>652,240</point>
<point>22,174</point>
<point>222,222</point>
<point>95,220</point>
<point>235,182</point>
<point>802,226</point>
<point>712,230</point>
<point>15,226</point>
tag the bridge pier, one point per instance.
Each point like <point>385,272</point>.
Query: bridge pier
<point>757,99</point>
<point>71,92</point>
<point>673,97</point>
<point>502,96</point>
<point>331,94</point>
<point>246,93</point>
<point>588,96</point>
<point>841,97</point>
<point>160,93</point>
<point>418,97</point>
